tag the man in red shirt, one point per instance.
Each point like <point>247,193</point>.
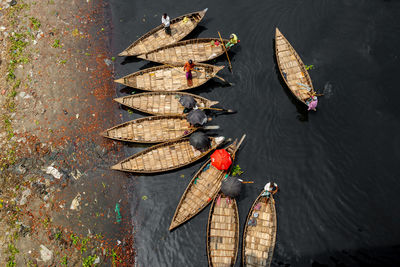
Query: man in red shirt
<point>189,66</point>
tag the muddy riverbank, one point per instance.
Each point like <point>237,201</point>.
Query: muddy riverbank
<point>59,202</point>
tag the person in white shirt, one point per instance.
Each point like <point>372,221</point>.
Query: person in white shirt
<point>270,189</point>
<point>165,21</point>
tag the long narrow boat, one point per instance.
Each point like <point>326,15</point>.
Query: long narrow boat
<point>153,129</point>
<point>162,103</point>
<point>259,240</point>
<point>203,187</point>
<point>169,78</point>
<point>199,50</point>
<point>292,69</point>
<point>165,157</point>
<point>223,232</point>
<point>156,38</point>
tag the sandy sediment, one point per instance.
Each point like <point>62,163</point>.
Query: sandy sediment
<point>58,197</point>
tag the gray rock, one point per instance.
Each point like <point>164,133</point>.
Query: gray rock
<point>24,198</point>
<point>45,254</point>
<point>21,169</point>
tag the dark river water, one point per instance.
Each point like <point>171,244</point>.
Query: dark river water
<point>337,168</point>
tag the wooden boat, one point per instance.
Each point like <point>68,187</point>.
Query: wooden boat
<point>203,187</point>
<point>169,78</point>
<point>165,157</point>
<point>156,38</point>
<point>153,129</point>
<point>292,69</point>
<point>223,232</point>
<point>259,241</point>
<point>161,103</point>
<point>199,50</point>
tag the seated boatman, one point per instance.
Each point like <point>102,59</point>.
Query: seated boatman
<point>232,41</point>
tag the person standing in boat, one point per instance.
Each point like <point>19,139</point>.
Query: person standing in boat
<point>165,21</point>
<point>189,66</point>
<point>232,41</point>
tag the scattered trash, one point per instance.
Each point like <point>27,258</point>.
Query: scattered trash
<point>104,185</point>
<point>53,171</point>
<point>118,214</point>
<point>118,242</point>
<point>108,62</point>
<point>144,197</point>
<point>76,174</point>
<point>45,253</point>
<point>77,116</point>
<point>21,169</point>
<point>97,260</point>
<point>24,198</point>
<point>113,58</point>
<point>182,176</point>
<point>75,205</point>
<point>65,112</point>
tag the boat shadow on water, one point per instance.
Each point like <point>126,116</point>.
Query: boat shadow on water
<point>197,31</point>
<point>130,59</point>
<point>301,108</point>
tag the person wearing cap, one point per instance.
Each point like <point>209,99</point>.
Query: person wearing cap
<point>232,41</point>
<point>189,66</point>
<point>165,21</point>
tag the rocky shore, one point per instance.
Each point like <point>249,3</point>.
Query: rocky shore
<point>60,205</point>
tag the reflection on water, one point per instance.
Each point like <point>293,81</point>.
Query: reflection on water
<point>336,168</point>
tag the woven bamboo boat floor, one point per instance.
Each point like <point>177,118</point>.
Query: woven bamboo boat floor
<point>157,37</point>
<point>199,50</point>
<point>223,232</point>
<point>169,78</point>
<point>153,129</point>
<point>259,241</point>
<point>289,62</point>
<point>164,157</point>
<point>161,103</point>
<point>203,187</point>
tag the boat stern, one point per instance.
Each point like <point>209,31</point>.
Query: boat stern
<point>277,32</point>
<point>203,12</point>
<point>117,167</point>
<point>173,225</point>
<point>219,140</point>
<point>213,103</point>
<point>104,133</point>
<point>218,69</point>
<point>119,100</point>
<point>120,80</point>
<point>123,53</point>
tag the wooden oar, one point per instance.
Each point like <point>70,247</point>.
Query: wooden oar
<point>226,52</point>
<point>219,109</point>
<point>208,127</point>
